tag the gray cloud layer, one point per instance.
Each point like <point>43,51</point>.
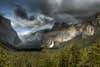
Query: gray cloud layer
<point>58,10</point>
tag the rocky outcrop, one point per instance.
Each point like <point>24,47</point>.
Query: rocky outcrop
<point>60,33</point>
<point>7,34</point>
<point>56,37</point>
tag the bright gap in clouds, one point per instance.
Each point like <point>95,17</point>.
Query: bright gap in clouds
<point>21,31</point>
<point>25,28</point>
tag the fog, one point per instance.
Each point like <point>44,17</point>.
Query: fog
<point>31,16</point>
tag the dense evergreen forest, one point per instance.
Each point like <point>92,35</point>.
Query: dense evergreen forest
<point>77,53</point>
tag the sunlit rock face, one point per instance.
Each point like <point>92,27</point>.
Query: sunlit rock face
<point>55,38</point>
<point>88,30</point>
<point>63,19</point>
<point>7,33</point>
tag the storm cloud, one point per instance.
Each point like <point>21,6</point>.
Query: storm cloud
<point>30,16</point>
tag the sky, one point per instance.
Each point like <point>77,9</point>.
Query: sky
<point>7,8</point>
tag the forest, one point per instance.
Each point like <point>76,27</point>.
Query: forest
<point>77,53</point>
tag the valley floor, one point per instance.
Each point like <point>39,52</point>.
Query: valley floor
<point>78,53</point>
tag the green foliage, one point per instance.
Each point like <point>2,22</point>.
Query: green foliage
<point>4,57</point>
<point>77,53</point>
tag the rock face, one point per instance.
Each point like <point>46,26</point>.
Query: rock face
<point>7,34</point>
<point>56,37</point>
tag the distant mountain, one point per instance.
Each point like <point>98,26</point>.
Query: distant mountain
<point>7,34</point>
<point>62,32</point>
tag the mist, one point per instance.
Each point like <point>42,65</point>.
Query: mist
<point>31,16</point>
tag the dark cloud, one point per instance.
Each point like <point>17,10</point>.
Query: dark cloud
<point>73,7</point>
<point>21,12</point>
